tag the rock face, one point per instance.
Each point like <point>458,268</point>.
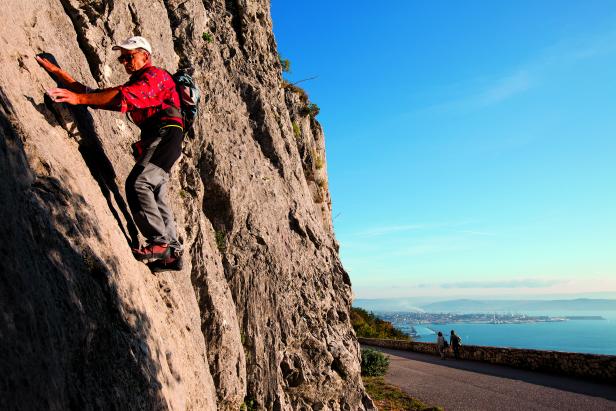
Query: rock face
<point>260,314</point>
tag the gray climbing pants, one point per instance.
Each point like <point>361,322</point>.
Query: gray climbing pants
<point>146,192</point>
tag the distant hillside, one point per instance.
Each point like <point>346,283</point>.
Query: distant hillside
<point>368,325</point>
<point>463,305</point>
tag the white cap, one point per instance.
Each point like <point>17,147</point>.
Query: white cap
<point>133,43</point>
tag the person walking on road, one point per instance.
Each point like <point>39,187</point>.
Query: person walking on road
<point>441,345</point>
<point>456,343</point>
<point>151,98</point>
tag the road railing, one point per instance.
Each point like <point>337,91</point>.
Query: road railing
<point>601,368</point>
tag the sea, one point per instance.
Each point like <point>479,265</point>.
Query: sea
<point>582,336</point>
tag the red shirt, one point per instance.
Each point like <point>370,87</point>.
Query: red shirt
<point>148,92</point>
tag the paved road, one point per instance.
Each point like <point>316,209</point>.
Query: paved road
<point>474,386</point>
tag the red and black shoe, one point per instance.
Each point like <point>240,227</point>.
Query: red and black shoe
<point>152,251</point>
<point>171,263</point>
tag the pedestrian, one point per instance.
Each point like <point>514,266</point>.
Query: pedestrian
<point>441,345</point>
<point>151,99</point>
<point>456,343</point>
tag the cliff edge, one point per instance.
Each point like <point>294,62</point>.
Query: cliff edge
<point>259,315</point>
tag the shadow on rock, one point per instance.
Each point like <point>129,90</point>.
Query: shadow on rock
<point>67,341</point>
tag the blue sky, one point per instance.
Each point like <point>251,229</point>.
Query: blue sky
<point>471,146</point>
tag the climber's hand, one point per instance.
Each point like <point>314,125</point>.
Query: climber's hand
<point>47,65</point>
<point>62,95</point>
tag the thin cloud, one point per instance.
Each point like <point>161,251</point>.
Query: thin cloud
<point>426,239</point>
<point>527,75</point>
<point>504,89</point>
<point>601,45</point>
<point>478,233</point>
<point>527,283</point>
<point>380,231</point>
<point>497,91</point>
<point>400,228</point>
<point>438,246</point>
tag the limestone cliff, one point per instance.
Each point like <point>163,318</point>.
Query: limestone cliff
<point>260,314</point>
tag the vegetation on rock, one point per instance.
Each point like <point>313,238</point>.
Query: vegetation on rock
<point>297,132</point>
<point>303,96</point>
<point>311,110</point>
<point>221,240</point>
<point>286,64</point>
<point>368,325</point>
<point>373,363</point>
<point>207,37</point>
<point>318,160</point>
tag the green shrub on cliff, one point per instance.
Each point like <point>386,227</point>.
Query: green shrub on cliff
<point>297,132</point>
<point>311,110</point>
<point>373,363</point>
<point>303,96</point>
<point>368,325</point>
<point>285,64</point>
<point>207,37</point>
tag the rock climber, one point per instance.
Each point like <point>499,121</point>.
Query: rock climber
<point>151,99</point>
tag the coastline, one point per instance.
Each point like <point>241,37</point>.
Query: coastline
<point>590,336</point>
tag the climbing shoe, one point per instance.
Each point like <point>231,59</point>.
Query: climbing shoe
<point>152,251</point>
<point>171,263</point>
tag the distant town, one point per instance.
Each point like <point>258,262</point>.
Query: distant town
<point>478,318</point>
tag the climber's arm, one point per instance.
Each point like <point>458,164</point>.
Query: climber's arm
<point>100,98</point>
<point>62,76</point>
